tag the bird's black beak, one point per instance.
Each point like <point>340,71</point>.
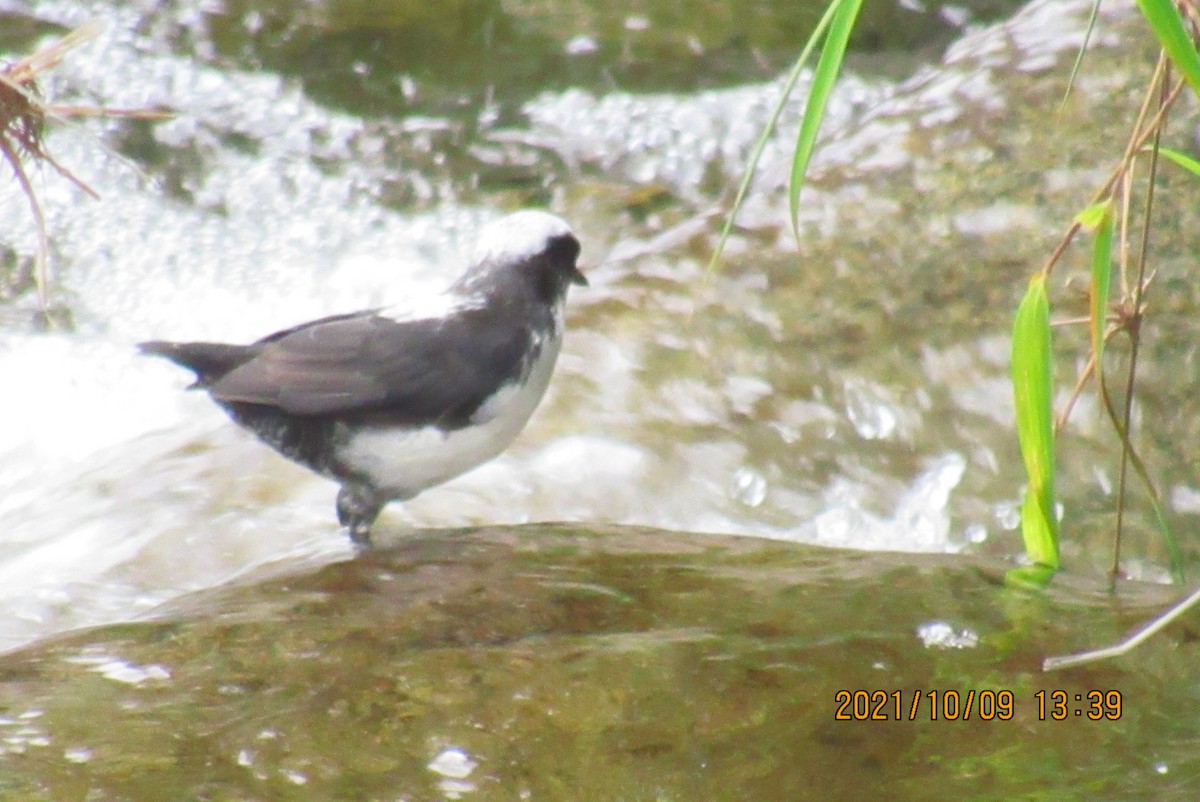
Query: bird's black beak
<point>577,277</point>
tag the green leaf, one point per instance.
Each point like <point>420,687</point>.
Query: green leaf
<point>1093,216</point>
<point>824,77</point>
<point>1099,219</point>
<point>1173,36</point>
<point>1033,394</point>
<point>769,128</point>
<point>1182,159</point>
<point>1033,577</point>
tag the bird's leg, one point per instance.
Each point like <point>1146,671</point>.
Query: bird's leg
<point>358,506</point>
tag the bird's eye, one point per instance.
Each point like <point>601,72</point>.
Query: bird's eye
<point>563,248</point>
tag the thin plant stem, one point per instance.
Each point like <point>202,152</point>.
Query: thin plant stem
<point>1135,144</point>
<point>1135,337</point>
<point>39,268</point>
<point>1140,636</point>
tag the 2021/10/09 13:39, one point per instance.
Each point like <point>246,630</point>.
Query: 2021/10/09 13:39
<point>988,705</point>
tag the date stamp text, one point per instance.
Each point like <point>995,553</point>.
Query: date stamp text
<point>985,705</point>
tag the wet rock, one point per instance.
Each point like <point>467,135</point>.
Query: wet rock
<point>554,662</point>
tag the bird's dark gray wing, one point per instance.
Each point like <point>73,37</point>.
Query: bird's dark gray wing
<point>436,371</point>
<point>211,361</point>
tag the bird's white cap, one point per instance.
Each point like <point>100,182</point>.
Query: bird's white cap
<point>518,236</point>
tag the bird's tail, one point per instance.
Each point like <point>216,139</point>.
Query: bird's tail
<point>209,361</point>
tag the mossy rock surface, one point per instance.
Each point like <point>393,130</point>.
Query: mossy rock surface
<point>544,662</point>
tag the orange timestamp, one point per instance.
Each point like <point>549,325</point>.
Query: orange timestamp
<point>1095,705</point>
<point>985,705</point>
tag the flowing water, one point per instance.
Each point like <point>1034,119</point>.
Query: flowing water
<point>679,400</point>
<point>848,389</point>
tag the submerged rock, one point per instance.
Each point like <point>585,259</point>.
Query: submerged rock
<point>546,662</point>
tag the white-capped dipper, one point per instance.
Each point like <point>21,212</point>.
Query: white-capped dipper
<point>389,404</point>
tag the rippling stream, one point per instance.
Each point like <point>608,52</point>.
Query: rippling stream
<point>684,399</point>
<point>848,390</point>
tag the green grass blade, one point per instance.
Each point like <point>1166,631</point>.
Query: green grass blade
<point>1182,159</point>
<point>769,128</point>
<point>1099,220</point>
<point>1173,36</point>
<point>1032,577</point>
<point>1173,551</point>
<point>1087,38</point>
<point>824,77</point>
<point>1033,394</point>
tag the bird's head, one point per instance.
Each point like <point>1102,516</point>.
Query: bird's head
<point>531,247</point>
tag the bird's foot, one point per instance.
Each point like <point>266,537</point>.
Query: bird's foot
<point>357,508</point>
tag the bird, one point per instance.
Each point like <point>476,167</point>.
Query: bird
<point>388,402</point>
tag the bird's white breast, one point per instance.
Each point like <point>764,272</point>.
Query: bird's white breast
<point>402,462</point>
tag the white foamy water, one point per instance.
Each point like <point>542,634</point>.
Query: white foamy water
<point>119,491</point>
